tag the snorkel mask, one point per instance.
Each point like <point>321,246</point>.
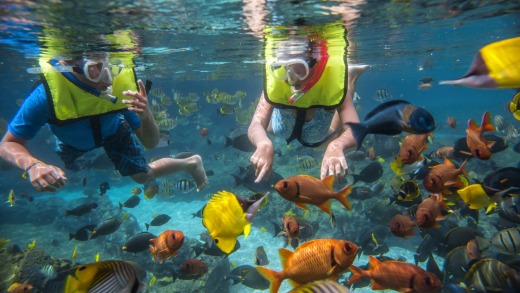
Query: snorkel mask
<point>97,68</point>
<point>290,71</point>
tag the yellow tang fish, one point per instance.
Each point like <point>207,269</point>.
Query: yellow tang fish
<point>476,198</point>
<point>225,219</point>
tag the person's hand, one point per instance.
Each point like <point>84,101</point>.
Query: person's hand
<point>139,103</point>
<point>262,160</point>
<point>46,177</point>
<point>334,162</point>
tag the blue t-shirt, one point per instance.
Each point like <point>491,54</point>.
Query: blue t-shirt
<point>35,113</point>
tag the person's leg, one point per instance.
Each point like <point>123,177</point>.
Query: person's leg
<point>166,166</point>
<point>354,71</point>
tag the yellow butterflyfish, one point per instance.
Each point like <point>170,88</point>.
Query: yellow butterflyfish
<point>32,245</point>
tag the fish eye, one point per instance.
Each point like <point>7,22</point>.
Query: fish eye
<point>285,185</point>
<point>82,268</point>
<point>427,281</point>
<point>348,247</point>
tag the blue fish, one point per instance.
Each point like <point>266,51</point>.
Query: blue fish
<point>392,118</point>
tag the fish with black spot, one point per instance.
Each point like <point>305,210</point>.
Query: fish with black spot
<point>139,242</point>
<point>392,118</point>
<point>81,209</point>
<point>84,233</point>
<point>103,187</point>
<point>158,220</point>
<point>131,202</point>
<point>107,227</point>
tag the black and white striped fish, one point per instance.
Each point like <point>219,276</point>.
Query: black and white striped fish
<point>185,185</point>
<point>105,276</point>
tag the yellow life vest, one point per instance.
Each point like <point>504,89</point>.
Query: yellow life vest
<point>330,90</point>
<point>71,103</point>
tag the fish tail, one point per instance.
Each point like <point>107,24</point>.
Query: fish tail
<point>342,196</point>
<point>359,131</point>
<point>273,277</point>
<point>153,251</point>
<point>147,226</point>
<point>120,206</point>
<point>486,125</point>
<point>238,181</point>
<point>357,274</point>
<point>229,141</point>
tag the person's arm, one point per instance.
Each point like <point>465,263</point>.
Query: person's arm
<point>148,133</point>
<point>262,158</point>
<point>43,177</point>
<point>334,161</point>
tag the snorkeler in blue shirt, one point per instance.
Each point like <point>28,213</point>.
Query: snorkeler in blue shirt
<point>92,104</point>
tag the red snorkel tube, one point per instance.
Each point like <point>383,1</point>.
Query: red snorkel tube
<point>320,67</point>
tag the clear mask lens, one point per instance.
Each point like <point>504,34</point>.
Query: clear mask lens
<point>101,70</point>
<point>291,71</point>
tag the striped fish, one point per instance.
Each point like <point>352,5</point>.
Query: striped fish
<point>103,277</point>
<point>382,95</point>
<point>184,185</point>
<point>306,162</point>
<point>507,241</point>
<point>322,286</point>
<point>490,273</point>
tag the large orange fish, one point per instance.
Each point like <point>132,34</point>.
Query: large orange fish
<point>166,245</point>
<point>314,260</point>
<point>396,275</point>
<point>430,211</point>
<point>402,226</point>
<point>412,147</point>
<point>480,148</point>
<point>305,189</point>
<point>443,176</point>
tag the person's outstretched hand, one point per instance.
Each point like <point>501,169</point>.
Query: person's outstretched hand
<point>262,160</point>
<point>46,177</point>
<point>334,162</point>
<point>139,103</point>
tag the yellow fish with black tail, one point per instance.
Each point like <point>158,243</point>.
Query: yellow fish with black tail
<point>494,66</point>
<point>105,276</point>
<point>226,219</point>
<point>514,106</point>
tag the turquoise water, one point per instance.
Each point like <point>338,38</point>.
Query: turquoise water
<point>197,46</point>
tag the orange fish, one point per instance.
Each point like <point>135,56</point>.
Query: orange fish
<point>19,288</point>
<point>372,154</point>
<point>314,260</point>
<point>193,267</point>
<point>430,211</point>
<point>402,226</point>
<point>452,123</point>
<point>480,148</point>
<point>396,275</point>
<point>443,176</point>
<point>166,245</point>
<point>473,249</point>
<point>291,228</point>
<point>305,189</point>
<point>444,153</point>
<point>412,147</point>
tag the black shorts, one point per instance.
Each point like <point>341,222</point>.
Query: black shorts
<point>122,148</point>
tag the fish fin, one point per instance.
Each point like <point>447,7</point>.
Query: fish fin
<point>483,243</point>
<point>329,182</point>
<point>359,131</point>
<point>147,226</point>
<point>293,283</point>
<point>486,123</point>
<point>226,244</point>
<point>342,196</point>
<point>376,286</point>
<point>472,125</point>
<point>404,290</point>
<point>465,153</point>
<point>357,274</point>
<point>277,230</point>
<point>285,255</point>
<point>229,141</point>
<point>372,262</point>
<point>247,230</point>
<point>272,276</point>
<point>153,251</point>
<point>491,144</point>
<point>447,162</point>
<point>325,206</point>
<point>462,168</point>
<point>491,207</point>
<point>301,205</point>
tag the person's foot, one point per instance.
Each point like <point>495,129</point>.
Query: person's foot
<point>357,69</point>
<point>197,171</point>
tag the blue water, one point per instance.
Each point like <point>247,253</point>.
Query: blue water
<point>196,46</point>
